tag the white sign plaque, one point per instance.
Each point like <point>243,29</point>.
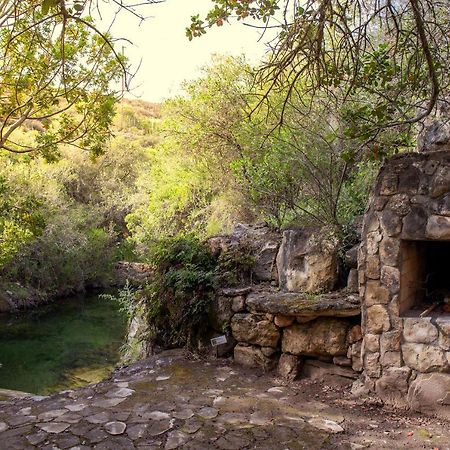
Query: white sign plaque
<point>218,340</point>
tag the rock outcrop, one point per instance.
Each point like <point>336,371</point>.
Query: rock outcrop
<point>262,243</point>
<point>307,260</point>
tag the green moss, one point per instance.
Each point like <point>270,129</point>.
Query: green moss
<point>311,296</point>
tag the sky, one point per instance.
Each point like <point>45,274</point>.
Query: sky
<point>167,57</point>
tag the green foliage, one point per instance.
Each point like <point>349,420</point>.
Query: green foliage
<point>189,186</point>
<point>56,70</point>
<point>127,297</point>
<point>255,9</point>
<point>179,297</point>
<point>21,219</point>
<point>218,164</point>
<point>62,224</point>
<point>67,257</point>
<point>387,63</point>
<point>356,190</point>
<point>234,266</point>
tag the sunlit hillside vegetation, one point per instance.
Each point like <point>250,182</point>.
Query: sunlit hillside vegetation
<point>221,161</point>
<point>195,165</point>
<point>62,223</point>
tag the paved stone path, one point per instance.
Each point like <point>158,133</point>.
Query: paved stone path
<point>169,402</point>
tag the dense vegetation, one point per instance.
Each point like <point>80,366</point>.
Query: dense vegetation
<point>62,223</point>
<point>217,164</point>
<point>206,164</point>
<point>86,181</point>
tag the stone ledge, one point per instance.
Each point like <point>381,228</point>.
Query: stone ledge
<point>234,292</point>
<point>334,304</point>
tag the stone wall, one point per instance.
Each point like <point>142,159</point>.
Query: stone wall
<point>300,325</point>
<point>405,356</point>
<point>273,329</point>
<point>289,316</point>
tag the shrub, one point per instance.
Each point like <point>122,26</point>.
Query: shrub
<point>21,219</point>
<point>235,265</point>
<point>180,295</point>
<point>68,256</point>
<point>127,297</point>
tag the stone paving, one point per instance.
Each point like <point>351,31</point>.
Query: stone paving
<point>170,402</point>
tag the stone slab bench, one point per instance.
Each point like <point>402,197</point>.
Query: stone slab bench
<point>333,304</point>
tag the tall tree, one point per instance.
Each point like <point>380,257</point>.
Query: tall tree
<point>58,74</point>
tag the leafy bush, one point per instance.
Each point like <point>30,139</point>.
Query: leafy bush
<point>68,256</point>
<point>179,297</point>
<point>62,224</point>
<point>235,265</point>
<point>21,219</point>
<point>127,297</point>
<point>356,190</point>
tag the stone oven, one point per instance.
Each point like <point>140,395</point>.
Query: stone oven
<point>424,278</point>
<point>404,282</point>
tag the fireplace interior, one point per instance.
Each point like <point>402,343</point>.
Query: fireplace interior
<point>425,278</point>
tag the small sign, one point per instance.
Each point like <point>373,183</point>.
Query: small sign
<point>218,340</point>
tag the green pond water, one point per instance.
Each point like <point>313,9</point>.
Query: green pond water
<point>71,343</point>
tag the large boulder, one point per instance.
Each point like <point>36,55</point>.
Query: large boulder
<point>264,244</point>
<point>321,337</point>
<point>138,346</point>
<point>307,260</point>
<point>259,240</point>
<point>253,357</point>
<point>351,257</point>
<point>255,329</point>
<point>430,394</point>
